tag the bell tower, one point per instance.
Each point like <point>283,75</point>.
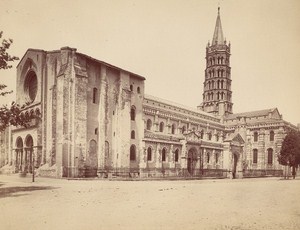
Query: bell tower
<point>217,92</point>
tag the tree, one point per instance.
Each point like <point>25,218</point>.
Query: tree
<point>290,151</point>
<point>10,115</point>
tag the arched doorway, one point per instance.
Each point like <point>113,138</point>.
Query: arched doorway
<point>235,159</point>
<point>19,154</point>
<point>191,161</point>
<point>28,154</point>
<point>92,160</point>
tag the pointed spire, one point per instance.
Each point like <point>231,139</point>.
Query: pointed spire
<point>218,34</point>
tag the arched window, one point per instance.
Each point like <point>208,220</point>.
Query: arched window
<point>176,155</point>
<point>149,154</point>
<point>95,95</point>
<point>163,155</point>
<point>209,135</point>
<point>255,136</point>
<point>138,90</point>
<point>132,153</point>
<point>272,136</point>
<point>255,156</point>
<point>207,157</point>
<point>96,131</point>
<point>270,156</point>
<point>173,128</point>
<point>217,157</point>
<point>149,124</point>
<point>132,113</point>
<point>201,134</point>
<point>131,87</point>
<point>132,134</point>
<point>161,127</point>
<point>183,129</point>
<point>217,137</point>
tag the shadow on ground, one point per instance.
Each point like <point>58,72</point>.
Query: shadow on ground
<point>13,191</point>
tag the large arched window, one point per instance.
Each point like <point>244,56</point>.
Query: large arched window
<point>132,134</point>
<point>132,113</point>
<point>149,124</point>
<point>30,86</point>
<point>163,155</point>
<point>272,136</point>
<point>131,87</point>
<point>132,153</point>
<point>138,90</point>
<point>255,136</point>
<point>149,154</point>
<point>173,128</point>
<point>255,155</point>
<point>176,157</point>
<point>161,127</point>
<point>270,156</point>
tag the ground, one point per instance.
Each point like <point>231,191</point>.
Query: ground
<point>263,203</point>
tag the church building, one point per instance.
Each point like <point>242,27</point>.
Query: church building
<point>94,120</point>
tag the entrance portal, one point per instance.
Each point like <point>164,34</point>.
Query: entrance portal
<point>191,161</point>
<point>92,160</point>
<point>235,160</point>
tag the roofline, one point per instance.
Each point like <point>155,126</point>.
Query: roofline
<point>89,57</point>
<point>31,49</point>
<point>112,66</point>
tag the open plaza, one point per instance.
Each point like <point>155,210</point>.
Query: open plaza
<point>257,203</point>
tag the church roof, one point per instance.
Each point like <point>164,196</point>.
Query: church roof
<point>218,38</point>
<point>183,107</point>
<point>258,113</point>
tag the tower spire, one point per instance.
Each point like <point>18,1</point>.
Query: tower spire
<point>218,38</point>
<point>217,94</point>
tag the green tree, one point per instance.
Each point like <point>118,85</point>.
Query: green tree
<point>10,115</point>
<point>290,151</point>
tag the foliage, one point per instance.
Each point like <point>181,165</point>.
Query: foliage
<point>290,150</point>
<point>10,115</point>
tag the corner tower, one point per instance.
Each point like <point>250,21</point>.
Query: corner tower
<point>217,84</point>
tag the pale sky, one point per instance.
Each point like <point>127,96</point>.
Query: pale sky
<point>165,40</point>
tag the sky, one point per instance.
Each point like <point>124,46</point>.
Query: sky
<point>165,41</point>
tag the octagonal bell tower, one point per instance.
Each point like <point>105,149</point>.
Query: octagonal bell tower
<point>217,92</point>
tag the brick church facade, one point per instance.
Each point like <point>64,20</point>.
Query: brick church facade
<point>95,120</point>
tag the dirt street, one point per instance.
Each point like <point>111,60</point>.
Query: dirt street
<point>264,203</point>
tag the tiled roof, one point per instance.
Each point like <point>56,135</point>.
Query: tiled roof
<point>171,103</point>
<point>258,113</point>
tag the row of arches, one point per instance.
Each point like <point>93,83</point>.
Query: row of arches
<point>219,84</point>
<point>219,60</point>
<point>164,154</point>
<point>271,136</point>
<point>182,129</point>
<point>217,73</point>
<point>269,156</point>
<point>138,89</point>
<point>24,154</point>
<point>30,114</point>
<point>211,96</point>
